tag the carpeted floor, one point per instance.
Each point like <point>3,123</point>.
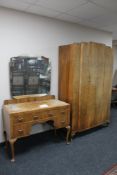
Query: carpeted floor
<point>112,170</point>
<point>90,153</point>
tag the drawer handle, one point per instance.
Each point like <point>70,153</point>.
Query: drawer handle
<point>20,119</point>
<point>35,117</point>
<point>63,121</point>
<point>51,115</point>
<point>62,113</point>
<point>20,131</point>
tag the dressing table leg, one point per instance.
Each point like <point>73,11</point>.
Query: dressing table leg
<point>12,141</point>
<point>68,137</point>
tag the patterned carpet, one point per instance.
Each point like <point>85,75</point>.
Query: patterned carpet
<point>112,170</point>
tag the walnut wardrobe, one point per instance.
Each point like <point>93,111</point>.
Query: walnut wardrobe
<point>85,81</point>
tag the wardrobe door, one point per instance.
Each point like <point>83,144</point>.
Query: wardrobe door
<point>87,88</point>
<point>92,85</point>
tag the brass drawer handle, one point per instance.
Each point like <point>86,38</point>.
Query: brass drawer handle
<point>35,117</point>
<point>20,119</point>
<point>63,121</point>
<point>20,131</point>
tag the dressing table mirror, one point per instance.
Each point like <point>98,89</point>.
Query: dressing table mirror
<point>29,75</point>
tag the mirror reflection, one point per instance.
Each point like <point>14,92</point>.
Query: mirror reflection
<point>29,75</point>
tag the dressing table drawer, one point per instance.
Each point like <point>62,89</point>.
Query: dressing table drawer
<point>19,118</point>
<point>52,114</point>
<point>62,118</point>
<point>20,130</point>
<point>38,116</point>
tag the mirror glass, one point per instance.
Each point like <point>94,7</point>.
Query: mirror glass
<point>29,75</point>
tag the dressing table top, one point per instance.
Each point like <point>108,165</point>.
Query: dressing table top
<point>35,105</point>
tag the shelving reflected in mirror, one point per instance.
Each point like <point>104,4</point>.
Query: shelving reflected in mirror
<point>29,75</point>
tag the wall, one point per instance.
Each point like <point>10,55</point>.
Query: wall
<point>115,65</point>
<point>33,35</point>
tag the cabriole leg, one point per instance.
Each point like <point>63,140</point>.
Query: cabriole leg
<point>12,141</point>
<point>68,137</point>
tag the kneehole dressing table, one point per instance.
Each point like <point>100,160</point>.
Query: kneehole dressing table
<point>20,114</point>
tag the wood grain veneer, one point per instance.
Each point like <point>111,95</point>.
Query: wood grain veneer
<point>85,81</point>
<point>22,113</point>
